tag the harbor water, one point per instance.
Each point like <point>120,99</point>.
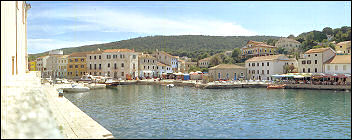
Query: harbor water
<point>155,111</point>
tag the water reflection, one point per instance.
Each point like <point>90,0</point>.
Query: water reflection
<point>153,111</point>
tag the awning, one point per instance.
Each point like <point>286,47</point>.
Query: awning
<point>298,76</point>
<point>147,71</point>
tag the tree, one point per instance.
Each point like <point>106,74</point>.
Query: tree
<point>281,50</point>
<point>328,31</point>
<point>215,60</point>
<point>291,36</point>
<point>289,68</point>
<point>236,55</point>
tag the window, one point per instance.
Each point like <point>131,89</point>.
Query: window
<point>340,46</point>
<point>267,72</point>
<point>95,66</point>
<point>134,66</point>
<point>108,56</point>
<point>76,60</point>
<point>99,56</point>
<point>122,65</point>
<point>90,66</point>
<point>262,71</point>
<point>316,61</point>
<point>82,60</point>
<point>99,66</point>
<point>120,55</point>
<point>304,70</point>
<point>134,57</point>
<point>308,70</point>
<point>253,64</point>
<point>262,64</point>
<point>303,62</point>
<point>70,66</point>
<point>316,54</point>
<point>308,55</point>
<point>82,66</point>
<point>257,64</point>
<point>258,71</point>
<point>249,71</point>
<point>253,71</point>
<point>122,73</point>
<point>249,64</point>
<point>90,57</point>
<point>267,63</point>
<point>144,68</point>
<point>70,60</point>
<point>315,70</point>
<point>108,65</point>
<point>95,57</point>
<point>308,62</point>
<point>115,65</point>
<point>76,66</point>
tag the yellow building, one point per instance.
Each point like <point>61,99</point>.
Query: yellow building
<point>77,65</point>
<point>32,65</point>
<point>254,49</point>
<point>343,47</point>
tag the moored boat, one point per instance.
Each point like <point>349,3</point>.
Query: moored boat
<point>270,86</point>
<point>75,88</point>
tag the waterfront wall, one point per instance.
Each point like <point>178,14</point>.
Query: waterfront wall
<point>229,86</point>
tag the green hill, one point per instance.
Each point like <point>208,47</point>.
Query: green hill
<point>185,45</point>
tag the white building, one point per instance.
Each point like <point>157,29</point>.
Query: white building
<point>313,60</point>
<point>340,64</point>
<point>61,71</point>
<point>41,65</point>
<point>167,59</point>
<point>120,63</point>
<point>147,65</point>
<point>14,57</point>
<point>262,67</point>
<point>94,62</point>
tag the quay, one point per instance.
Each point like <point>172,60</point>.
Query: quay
<point>74,123</point>
<point>229,85</point>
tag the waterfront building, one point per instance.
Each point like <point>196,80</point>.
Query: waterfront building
<point>254,49</point>
<point>167,59</point>
<point>147,65</point>
<point>343,47</point>
<point>228,72</point>
<point>185,58</point>
<point>181,66</point>
<point>120,63</point>
<point>51,62</point>
<point>204,63</point>
<point>313,60</point>
<point>94,62</point>
<point>61,70</point>
<point>32,65</point>
<point>288,44</point>
<point>262,67</point>
<point>163,68</point>
<point>189,65</point>
<point>340,64</point>
<point>41,65</point>
<point>14,57</point>
<point>76,65</point>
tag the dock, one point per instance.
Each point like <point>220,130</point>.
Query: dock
<point>74,123</point>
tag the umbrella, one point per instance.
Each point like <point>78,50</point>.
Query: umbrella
<point>298,76</point>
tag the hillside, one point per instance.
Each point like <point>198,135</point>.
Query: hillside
<point>186,45</point>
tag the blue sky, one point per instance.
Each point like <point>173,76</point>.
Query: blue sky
<point>59,24</point>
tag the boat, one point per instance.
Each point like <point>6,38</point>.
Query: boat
<point>170,85</point>
<point>75,88</point>
<point>276,86</point>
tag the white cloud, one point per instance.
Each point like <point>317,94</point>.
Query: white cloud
<point>108,20</point>
<point>42,45</point>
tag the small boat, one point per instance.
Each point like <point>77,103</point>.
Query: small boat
<point>276,86</point>
<point>75,88</point>
<point>170,85</point>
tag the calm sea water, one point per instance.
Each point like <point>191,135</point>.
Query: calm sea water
<point>154,111</point>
